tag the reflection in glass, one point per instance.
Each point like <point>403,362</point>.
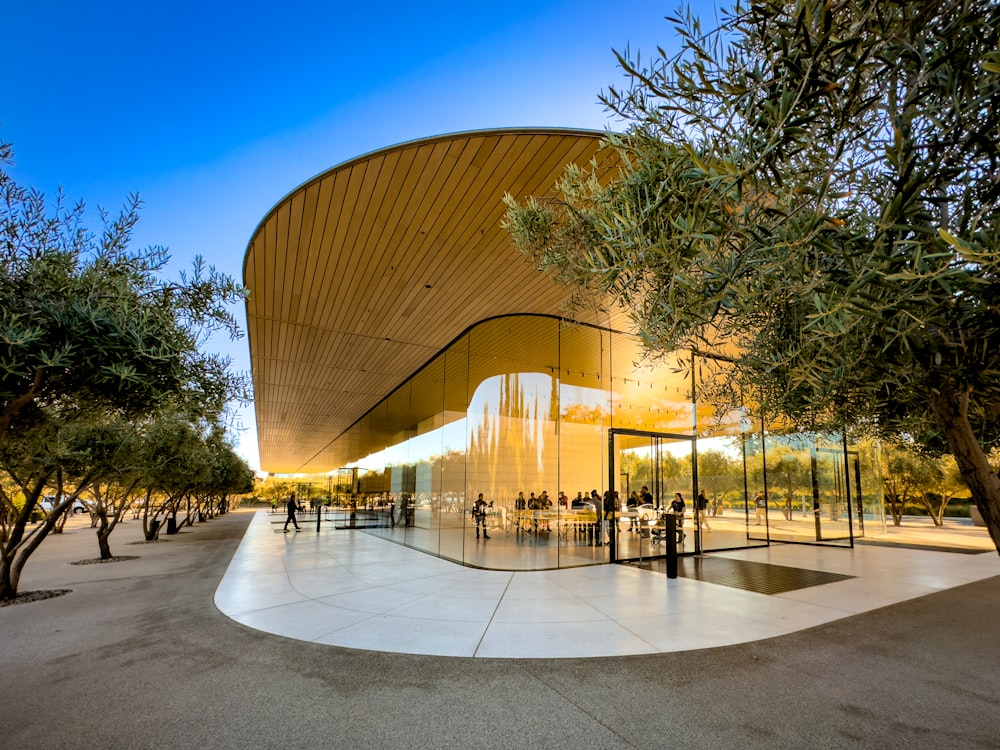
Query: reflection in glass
<point>530,407</point>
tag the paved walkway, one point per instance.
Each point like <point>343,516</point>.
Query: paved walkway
<point>350,589</point>
<point>138,657</point>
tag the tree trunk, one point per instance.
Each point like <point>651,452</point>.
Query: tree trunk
<point>951,410</point>
<point>931,510</point>
<point>104,544</point>
<point>17,545</point>
<point>103,534</point>
<point>16,554</point>
<point>943,508</point>
<point>8,588</point>
<point>150,523</point>
<point>895,503</point>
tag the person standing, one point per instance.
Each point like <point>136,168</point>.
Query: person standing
<point>632,506</point>
<point>598,505</point>
<point>520,505</point>
<point>645,497</point>
<point>610,520</point>
<point>479,515</point>
<point>545,504</point>
<point>292,507</point>
<point>677,506</point>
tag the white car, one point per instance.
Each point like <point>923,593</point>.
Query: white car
<point>49,501</point>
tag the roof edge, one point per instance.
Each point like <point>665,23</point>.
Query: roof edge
<point>403,145</point>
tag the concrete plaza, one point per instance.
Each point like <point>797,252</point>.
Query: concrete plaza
<point>140,656</point>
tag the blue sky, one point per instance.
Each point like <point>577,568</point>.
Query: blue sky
<point>213,111</point>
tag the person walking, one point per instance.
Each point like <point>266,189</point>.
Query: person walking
<point>760,507</point>
<point>292,507</point>
<point>702,504</point>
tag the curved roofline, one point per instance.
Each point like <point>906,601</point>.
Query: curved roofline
<point>409,144</point>
<point>365,272</point>
<point>472,326</point>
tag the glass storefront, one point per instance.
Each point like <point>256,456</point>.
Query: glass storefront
<point>567,431</point>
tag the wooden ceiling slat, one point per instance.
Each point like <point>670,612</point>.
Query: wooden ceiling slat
<point>337,316</point>
<point>340,266</point>
<point>408,174</point>
<point>332,202</point>
<point>313,293</point>
<point>271,283</point>
<point>368,249</point>
<point>410,273</point>
<point>324,191</point>
<point>296,250</point>
<point>310,197</point>
<point>368,200</point>
<point>353,180</point>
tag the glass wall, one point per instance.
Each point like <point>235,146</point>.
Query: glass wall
<point>557,425</point>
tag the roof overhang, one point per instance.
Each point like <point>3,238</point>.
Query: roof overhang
<point>361,275</point>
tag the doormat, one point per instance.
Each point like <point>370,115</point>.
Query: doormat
<point>761,578</point>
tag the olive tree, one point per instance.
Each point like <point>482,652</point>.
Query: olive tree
<point>230,475</point>
<point>90,326</point>
<point>813,189</point>
<point>904,471</point>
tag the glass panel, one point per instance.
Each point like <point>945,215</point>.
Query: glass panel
<point>810,490</point>
<point>401,473</point>
<point>372,477</point>
<point>789,487</point>
<point>455,503</point>
<point>755,492</point>
<point>871,508</point>
<point>425,454</point>
<point>513,436</point>
<point>650,396</point>
<point>584,418</point>
<point>723,521</point>
<point>729,464</point>
<point>370,462</point>
<point>833,489</point>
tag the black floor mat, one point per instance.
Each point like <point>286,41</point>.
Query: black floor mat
<point>761,578</point>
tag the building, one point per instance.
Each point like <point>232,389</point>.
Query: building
<point>401,346</point>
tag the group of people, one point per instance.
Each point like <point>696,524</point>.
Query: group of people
<point>541,502</point>
<point>604,506</point>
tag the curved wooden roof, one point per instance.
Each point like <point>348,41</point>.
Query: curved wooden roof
<point>361,275</point>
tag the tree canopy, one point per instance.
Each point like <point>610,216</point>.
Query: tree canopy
<point>86,321</point>
<point>92,331</point>
<point>811,188</point>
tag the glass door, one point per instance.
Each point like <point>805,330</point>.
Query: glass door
<point>835,489</point>
<point>652,470</point>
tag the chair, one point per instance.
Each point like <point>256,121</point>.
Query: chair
<point>646,522</point>
<point>654,526</point>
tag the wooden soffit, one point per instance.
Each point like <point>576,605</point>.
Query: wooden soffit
<point>361,275</point>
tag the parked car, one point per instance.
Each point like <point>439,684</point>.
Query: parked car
<point>49,502</point>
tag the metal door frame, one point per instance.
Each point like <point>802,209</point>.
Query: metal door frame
<point>656,438</point>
